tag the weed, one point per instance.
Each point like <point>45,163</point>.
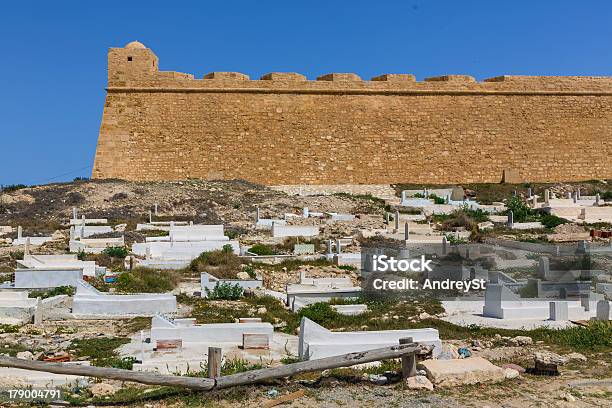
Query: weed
<point>225,291</point>
<point>143,280</point>
<point>116,252</point>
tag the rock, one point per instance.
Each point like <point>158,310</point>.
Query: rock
<point>510,373</point>
<point>477,343</point>
<point>515,367</point>
<point>102,389</point>
<point>25,355</point>
<point>576,356</point>
<point>569,397</point>
<point>521,341</point>
<point>378,379</point>
<point>548,361</point>
<point>262,310</point>
<point>548,357</point>
<point>419,382</point>
<point>243,275</point>
<point>424,316</point>
<point>450,373</point>
<point>483,226</point>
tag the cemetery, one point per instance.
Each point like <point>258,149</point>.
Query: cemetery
<point>266,285</point>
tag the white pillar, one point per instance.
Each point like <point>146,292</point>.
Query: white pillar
<point>74,213</point>
<point>19,232</point>
<point>396,221</point>
<point>155,209</point>
<point>256,214</point>
<point>150,217</point>
<point>26,250</point>
<point>305,212</point>
<point>38,313</point>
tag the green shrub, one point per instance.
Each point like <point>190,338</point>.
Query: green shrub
<point>520,210</point>
<point>552,221</point>
<point>221,263</point>
<point>262,249</point>
<point>142,280</point>
<point>321,313</point>
<point>116,252</point>
<point>8,328</point>
<point>225,291</point>
<point>436,199</point>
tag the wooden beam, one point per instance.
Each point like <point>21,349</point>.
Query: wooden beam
<point>204,384</point>
<point>215,356</point>
<point>409,360</point>
<point>345,360</point>
<point>207,384</point>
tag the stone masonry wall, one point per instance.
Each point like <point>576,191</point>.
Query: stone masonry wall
<point>339,129</point>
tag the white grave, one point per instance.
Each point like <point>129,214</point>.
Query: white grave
<point>317,342</point>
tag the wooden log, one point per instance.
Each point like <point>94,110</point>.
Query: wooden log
<point>283,399</point>
<point>207,384</point>
<point>409,360</point>
<point>214,362</point>
<point>203,384</point>
<point>345,360</point>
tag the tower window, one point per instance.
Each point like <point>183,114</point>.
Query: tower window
<point>129,58</point>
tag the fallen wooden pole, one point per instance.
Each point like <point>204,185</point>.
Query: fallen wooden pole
<point>207,384</point>
<point>345,360</point>
<point>204,384</point>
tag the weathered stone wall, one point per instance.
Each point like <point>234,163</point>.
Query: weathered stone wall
<point>284,129</point>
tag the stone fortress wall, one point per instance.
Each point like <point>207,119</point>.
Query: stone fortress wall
<point>339,129</point>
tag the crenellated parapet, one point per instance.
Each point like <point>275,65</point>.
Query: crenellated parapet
<point>137,67</point>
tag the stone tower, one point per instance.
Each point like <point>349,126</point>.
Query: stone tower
<point>135,61</point>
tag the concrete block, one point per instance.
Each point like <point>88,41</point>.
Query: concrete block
<point>458,372</point>
<point>255,341</point>
<point>559,311</point>
<point>350,310</point>
<point>163,328</point>
<point>279,231</point>
<point>604,310</point>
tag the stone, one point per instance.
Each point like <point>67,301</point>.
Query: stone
<point>576,356</point>
<point>25,355</point>
<point>262,310</point>
<point>451,373</point>
<point>243,275</point>
<point>378,379</point>
<point>521,341</point>
<point>510,373</point>
<point>102,389</point>
<point>548,361</point>
<point>419,382</point>
<point>515,367</point>
<point>457,194</point>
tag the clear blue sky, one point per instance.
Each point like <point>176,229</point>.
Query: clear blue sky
<point>53,66</point>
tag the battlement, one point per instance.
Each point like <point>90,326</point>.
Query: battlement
<point>137,67</point>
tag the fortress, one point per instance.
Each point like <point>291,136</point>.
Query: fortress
<point>339,129</point>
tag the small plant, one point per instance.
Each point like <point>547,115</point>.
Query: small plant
<point>321,313</point>
<point>452,239</point>
<point>262,249</point>
<point>519,209</point>
<point>60,290</point>
<point>250,269</point>
<point>552,221</point>
<point>437,200</point>
<point>8,328</point>
<point>116,252</point>
<point>142,280</point>
<point>225,291</point>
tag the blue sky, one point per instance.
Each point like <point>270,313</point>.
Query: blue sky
<point>53,66</point>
